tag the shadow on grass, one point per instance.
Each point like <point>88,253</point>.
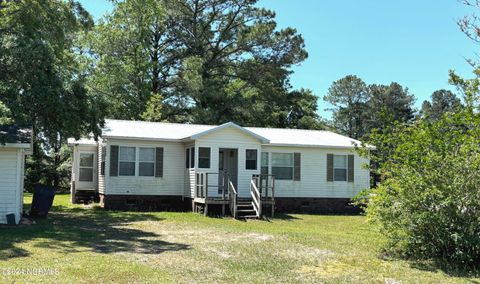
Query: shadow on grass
<point>77,229</point>
<point>435,266</point>
<point>283,217</point>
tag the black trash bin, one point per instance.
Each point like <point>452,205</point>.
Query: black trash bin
<point>42,200</point>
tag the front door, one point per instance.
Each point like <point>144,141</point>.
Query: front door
<point>228,161</point>
<point>86,171</point>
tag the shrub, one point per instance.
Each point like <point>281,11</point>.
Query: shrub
<point>428,204</point>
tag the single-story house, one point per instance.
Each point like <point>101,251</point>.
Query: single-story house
<point>15,144</point>
<point>173,165</point>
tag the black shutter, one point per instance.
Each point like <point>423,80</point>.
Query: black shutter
<point>192,157</point>
<point>296,166</point>
<point>113,161</point>
<point>159,162</point>
<point>329,167</point>
<point>187,156</point>
<point>351,172</point>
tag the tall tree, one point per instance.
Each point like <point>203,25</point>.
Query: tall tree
<point>41,78</point>
<point>443,101</point>
<point>211,61</point>
<point>349,97</point>
<point>388,103</point>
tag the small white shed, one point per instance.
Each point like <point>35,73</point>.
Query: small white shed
<point>16,145</point>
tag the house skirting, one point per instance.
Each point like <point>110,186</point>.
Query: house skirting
<point>179,203</point>
<point>315,205</point>
<point>145,202</point>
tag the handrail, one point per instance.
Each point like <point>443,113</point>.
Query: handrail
<point>232,195</point>
<point>266,185</point>
<point>202,185</point>
<point>257,198</point>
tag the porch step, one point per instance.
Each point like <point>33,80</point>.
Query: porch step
<point>246,211</point>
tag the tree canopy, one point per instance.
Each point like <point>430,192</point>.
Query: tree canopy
<point>442,101</point>
<point>209,61</point>
<point>359,109</point>
<point>42,80</point>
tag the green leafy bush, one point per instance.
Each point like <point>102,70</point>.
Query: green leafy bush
<point>428,203</point>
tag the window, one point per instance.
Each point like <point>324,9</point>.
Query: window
<point>264,164</point>
<point>86,167</point>
<point>187,158</point>
<point>102,164</point>
<point>146,166</point>
<point>339,167</point>
<point>282,165</point>
<point>204,157</point>
<point>126,161</point>
<point>192,157</point>
<point>251,159</point>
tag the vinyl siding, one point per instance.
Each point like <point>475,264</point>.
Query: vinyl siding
<point>313,182</point>
<point>231,138</point>
<point>172,182</point>
<point>11,186</point>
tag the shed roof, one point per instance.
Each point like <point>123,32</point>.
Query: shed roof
<point>161,131</point>
<point>15,136</point>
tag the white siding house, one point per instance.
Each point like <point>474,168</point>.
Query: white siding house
<point>179,163</point>
<point>12,160</point>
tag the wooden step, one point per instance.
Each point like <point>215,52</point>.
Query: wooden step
<point>246,210</point>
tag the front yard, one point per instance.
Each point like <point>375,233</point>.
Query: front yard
<point>88,244</point>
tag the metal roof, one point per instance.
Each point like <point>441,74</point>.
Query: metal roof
<point>161,131</point>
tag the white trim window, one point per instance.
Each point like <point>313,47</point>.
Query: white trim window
<point>251,157</point>
<point>127,161</point>
<point>86,167</point>
<point>204,157</point>
<point>340,167</point>
<point>282,166</point>
<point>146,163</point>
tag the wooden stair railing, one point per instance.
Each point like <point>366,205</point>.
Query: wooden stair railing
<point>233,198</point>
<point>265,185</point>
<point>256,198</point>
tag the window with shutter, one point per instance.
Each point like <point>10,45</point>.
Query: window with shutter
<point>282,166</point>
<point>127,161</point>
<point>146,166</point>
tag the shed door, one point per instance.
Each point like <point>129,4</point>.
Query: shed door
<point>86,171</point>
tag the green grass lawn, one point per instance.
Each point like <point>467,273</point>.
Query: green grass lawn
<point>88,244</point>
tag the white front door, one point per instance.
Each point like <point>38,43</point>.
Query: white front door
<point>87,171</point>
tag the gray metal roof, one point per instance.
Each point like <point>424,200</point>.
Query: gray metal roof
<point>126,129</point>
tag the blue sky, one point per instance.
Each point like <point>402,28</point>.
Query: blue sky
<point>412,42</point>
